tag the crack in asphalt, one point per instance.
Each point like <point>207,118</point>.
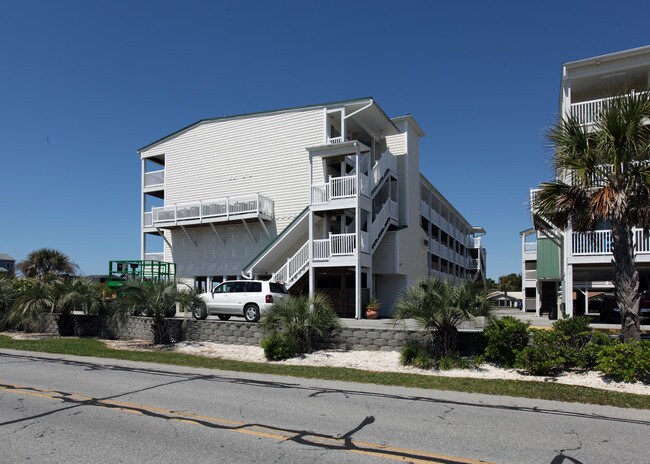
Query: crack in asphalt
<point>444,414</point>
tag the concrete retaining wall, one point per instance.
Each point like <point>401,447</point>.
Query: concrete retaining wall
<point>244,333</point>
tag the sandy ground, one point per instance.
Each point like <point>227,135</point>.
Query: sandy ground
<point>381,361</point>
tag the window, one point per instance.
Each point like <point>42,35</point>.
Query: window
<point>276,288</point>
<point>224,288</point>
<point>201,283</point>
<point>254,286</point>
<point>239,287</point>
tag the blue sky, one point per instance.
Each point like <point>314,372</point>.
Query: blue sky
<point>85,84</point>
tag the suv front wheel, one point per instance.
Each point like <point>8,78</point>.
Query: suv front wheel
<point>251,313</point>
<point>200,313</point>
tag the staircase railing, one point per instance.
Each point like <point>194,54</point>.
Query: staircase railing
<point>294,268</point>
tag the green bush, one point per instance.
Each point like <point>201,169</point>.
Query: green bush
<point>423,361</point>
<point>308,321</point>
<point>409,352</point>
<point>278,347</point>
<point>505,338</point>
<point>592,351</point>
<point>545,356</point>
<point>575,330</point>
<point>626,361</point>
<point>416,355</point>
<point>454,361</point>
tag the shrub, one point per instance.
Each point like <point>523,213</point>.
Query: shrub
<point>278,347</point>
<point>592,351</point>
<point>423,361</point>
<point>453,361</point>
<point>575,330</point>
<point>626,361</point>
<point>409,352</point>
<point>416,355</point>
<point>505,338</point>
<point>439,307</point>
<point>306,320</point>
<point>546,355</point>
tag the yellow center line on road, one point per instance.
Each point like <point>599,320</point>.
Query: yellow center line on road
<point>378,450</point>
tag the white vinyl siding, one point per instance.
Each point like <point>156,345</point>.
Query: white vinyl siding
<point>264,154</point>
<point>412,251</point>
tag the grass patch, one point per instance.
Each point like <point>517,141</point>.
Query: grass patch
<point>516,388</point>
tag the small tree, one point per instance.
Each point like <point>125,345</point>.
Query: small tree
<point>157,300</point>
<point>303,319</point>
<point>439,308</point>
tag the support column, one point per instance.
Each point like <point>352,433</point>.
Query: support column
<point>357,232</point>
<point>567,293</point>
<point>143,236</point>
<point>538,298</point>
<point>312,277</point>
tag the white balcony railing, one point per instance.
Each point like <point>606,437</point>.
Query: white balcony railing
<point>599,242</point>
<point>336,188</point>
<point>530,275</point>
<point>530,247</point>
<point>587,111</point>
<point>154,178</point>
<point>208,210</point>
<point>335,245</point>
<point>343,244</point>
<point>333,140</point>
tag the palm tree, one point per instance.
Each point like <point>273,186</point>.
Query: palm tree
<point>57,295</point>
<point>158,300</point>
<point>8,294</point>
<point>604,176</point>
<point>439,307</point>
<point>306,320</point>
<point>47,261</point>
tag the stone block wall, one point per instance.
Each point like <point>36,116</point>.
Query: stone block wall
<point>245,333</point>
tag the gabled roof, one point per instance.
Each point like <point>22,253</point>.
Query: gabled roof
<point>258,113</point>
<point>6,257</point>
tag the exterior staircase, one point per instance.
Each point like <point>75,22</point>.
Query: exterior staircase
<point>298,264</point>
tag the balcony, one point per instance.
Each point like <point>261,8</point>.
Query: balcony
<point>338,188</point>
<point>599,242</point>
<point>530,274</point>
<point>335,245</point>
<point>159,256</point>
<point>586,112</point>
<point>154,180</point>
<point>530,247</point>
<point>210,211</point>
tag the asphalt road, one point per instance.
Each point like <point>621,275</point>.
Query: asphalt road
<point>65,409</point>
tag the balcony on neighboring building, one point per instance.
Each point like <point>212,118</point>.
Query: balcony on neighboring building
<point>596,245</point>
<point>586,112</point>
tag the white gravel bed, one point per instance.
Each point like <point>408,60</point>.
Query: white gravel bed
<point>387,361</point>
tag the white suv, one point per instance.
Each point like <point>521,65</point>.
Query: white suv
<point>247,298</point>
